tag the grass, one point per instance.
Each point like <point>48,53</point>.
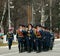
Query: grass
<point>5,44</point>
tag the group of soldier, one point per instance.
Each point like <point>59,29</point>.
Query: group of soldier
<point>31,38</point>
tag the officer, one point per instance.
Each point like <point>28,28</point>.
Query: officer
<point>29,38</point>
<point>10,38</point>
<point>38,39</point>
<point>51,40</point>
<point>34,40</point>
<point>24,39</point>
<point>20,38</point>
<point>47,39</point>
<point>43,32</point>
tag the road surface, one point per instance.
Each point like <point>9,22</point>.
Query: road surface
<point>14,51</point>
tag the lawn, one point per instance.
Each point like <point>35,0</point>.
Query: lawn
<point>5,44</point>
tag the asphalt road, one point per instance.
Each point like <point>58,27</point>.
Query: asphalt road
<point>14,51</point>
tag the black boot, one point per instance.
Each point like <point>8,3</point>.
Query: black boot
<point>29,50</point>
<point>9,47</point>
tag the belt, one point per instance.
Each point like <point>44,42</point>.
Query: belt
<point>38,36</point>
<point>20,36</point>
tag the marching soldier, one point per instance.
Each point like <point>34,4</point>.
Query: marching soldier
<point>24,39</point>
<point>38,39</point>
<point>20,38</point>
<point>34,40</point>
<point>47,39</point>
<point>10,38</point>
<point>43,38</point>
<point>51,40</point>
<point>29,38</point>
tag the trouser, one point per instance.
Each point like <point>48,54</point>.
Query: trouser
<point>9,43</point>
<point>20,44</point>
<point>47,44</point>
<point>34,46</point>
<point>29,43</point>
<point>51,44</point>
<point>38,44</point>
<point>32,43</point>
<point>25,44</point>
<point>44,44</point>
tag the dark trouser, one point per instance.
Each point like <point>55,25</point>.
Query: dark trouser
<point>34,46</point>
<point>38,44</point>
<point>46,44</point>
<point>20,44</point>
<point>29,44</point>
<point>9,42</point>
<point>25,44</point>
<point>51,44</point>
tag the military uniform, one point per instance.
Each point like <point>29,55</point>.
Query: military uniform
<point>43,40</point>
<point>38,40</point>
<point>20,37</point>
<point>24,39</point>
<point>51,41</point>
<point>47,40</point>
<point>29,38</point>
<point>10,38</point>
<point>34,39</point>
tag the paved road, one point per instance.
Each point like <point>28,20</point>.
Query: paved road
<point>14,51</point>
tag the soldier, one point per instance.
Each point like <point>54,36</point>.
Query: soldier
<point>10,38</point>
<point>34,40</point>
<point>47,39</point>
<point>24,39</point>
<point>43,38</point>
<point>20,38</point>
<point>51,40</point>
<point>29,38</point>
<point>38,39</point>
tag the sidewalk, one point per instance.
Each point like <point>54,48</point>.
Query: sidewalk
<point>57,39</point>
